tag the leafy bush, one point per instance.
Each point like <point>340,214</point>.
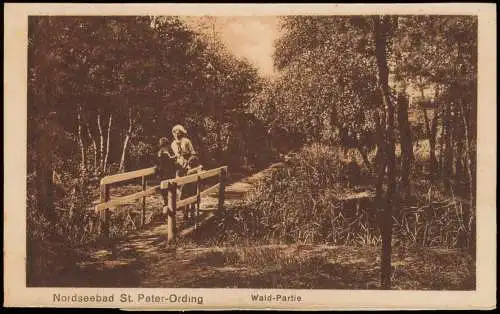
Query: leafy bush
<point>141,155</point>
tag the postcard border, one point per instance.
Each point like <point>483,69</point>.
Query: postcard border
<point>15,91</point>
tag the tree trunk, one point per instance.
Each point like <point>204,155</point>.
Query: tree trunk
<point>380,158</point>
<point>381,33</point>
<point>101,142</point>
<point>94,145</point>
<point>469,217</point>
<point>431,128</point>
<point>448,151</point>
<point>364,155</point>
<point>125,142</point>
<point>460,172</point>
<point>105,165</point>
<point>80,141</point>
<point>441,144</point>
<point>470,176</point>
<point>122,160</point>
<point>434,124</point>
<point>219,140</point>
<point>406,142</point>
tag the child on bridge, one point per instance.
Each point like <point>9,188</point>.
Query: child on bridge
<point>166,160</point>
<point>167,167</point>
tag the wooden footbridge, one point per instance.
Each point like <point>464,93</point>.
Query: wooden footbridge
<point>145,256</point>
<point>170,190</point>
<point>208,189</point>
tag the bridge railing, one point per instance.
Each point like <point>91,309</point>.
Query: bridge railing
<point>106,203</point>
<point>172,185</point>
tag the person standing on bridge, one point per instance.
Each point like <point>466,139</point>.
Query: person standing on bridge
<point>183,149</point>
<point>166,160</point>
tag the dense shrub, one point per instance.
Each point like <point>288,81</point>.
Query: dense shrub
<point>141,155</point>
<point>307,202</point>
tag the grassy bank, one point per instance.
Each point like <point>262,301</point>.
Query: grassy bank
<point>314,199</point>
<point>296,227</point>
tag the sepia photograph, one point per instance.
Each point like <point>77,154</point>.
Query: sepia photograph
<point>289,151</point>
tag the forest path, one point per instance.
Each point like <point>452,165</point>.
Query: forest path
<point>132,260</point>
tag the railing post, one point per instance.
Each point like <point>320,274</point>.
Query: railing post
<point>198,201</point>
<point>222,187</point>
<point>172,209</point>
<point>143,212</point>
<point>104,197</point>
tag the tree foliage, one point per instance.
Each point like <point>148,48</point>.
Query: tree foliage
<point>153,69</point>
<point>103,89</point>
<point>350,76</point>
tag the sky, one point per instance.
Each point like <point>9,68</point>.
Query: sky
<point>251,37</point>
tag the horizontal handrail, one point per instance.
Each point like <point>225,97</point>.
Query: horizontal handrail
<point>211,173</point>
<point>128,175</point>
<point>210,189</point>
<point>195,170</point>
<point>193,177</point>
<point>169,184</point>
<point>187,201</point>
<point>192,199</point>
<point>125,199</point>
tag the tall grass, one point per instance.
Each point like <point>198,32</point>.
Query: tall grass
<point>305,202</point>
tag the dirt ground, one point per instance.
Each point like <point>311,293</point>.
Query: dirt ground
<point>149,262</point>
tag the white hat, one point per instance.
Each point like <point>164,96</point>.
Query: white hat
<point>179,128</point>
